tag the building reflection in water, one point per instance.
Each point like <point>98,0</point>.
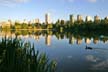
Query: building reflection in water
<point>105,40</point>
<point>48,40</point>
<point>72,40</point>
<point>19,36</point>
<point>95,40</point>
<point>87,40</point>
<point>61,36</point>
<point>36,35</point>
<point>7,34</point>
<point>79,40</point>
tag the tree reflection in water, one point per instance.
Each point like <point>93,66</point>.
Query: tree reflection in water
<point>72,36</point>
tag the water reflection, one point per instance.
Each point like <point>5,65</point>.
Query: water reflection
<point>48,40</point>
<point>87,40</point>
<point>69,49</point>
<point>78,40</point>
<point>73,38</point>
<point>95,40</point>
<point>97,63</point>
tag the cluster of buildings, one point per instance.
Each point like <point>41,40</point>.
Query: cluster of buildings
<point>48,20</point>
<point>9,22</point>
<point>87,18</point>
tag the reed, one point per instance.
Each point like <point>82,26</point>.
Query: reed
<point>17,56</point>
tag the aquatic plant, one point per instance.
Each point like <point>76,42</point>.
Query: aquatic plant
<point>17,56</point>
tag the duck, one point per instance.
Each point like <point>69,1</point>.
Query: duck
<point>90,48</point>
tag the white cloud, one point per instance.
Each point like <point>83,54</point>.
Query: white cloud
<point>12,2</point>
<point>93,1</point>
<point>70,0</point>
<point>91,58</point>
<point>101,65</point>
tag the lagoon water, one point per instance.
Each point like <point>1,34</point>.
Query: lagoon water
<point>69,50</point>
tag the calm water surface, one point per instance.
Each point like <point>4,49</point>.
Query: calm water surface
<point>70,52</point>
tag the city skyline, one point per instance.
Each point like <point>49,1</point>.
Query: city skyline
<point>47,19</point>
<point>59,9</point>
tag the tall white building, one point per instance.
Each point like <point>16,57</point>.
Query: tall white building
<point>47,18</point>
<point>72,19</point>
<point>96,18</point>
<point>88,18</point>
<point>79,18</point>
<point>36,20</point>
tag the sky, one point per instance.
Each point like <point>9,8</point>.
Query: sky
<point>58,9</point>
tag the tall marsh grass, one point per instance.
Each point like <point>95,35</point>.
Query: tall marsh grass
<point>17,56</point>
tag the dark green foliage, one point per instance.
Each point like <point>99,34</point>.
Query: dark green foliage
<point>61,25</point>
<point>17,56</point>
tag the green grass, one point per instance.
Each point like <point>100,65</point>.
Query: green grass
<point>17,56</point>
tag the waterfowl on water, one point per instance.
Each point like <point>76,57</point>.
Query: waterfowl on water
<point>88,47</point>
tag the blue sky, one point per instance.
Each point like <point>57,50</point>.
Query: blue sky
<point>58,9</point>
